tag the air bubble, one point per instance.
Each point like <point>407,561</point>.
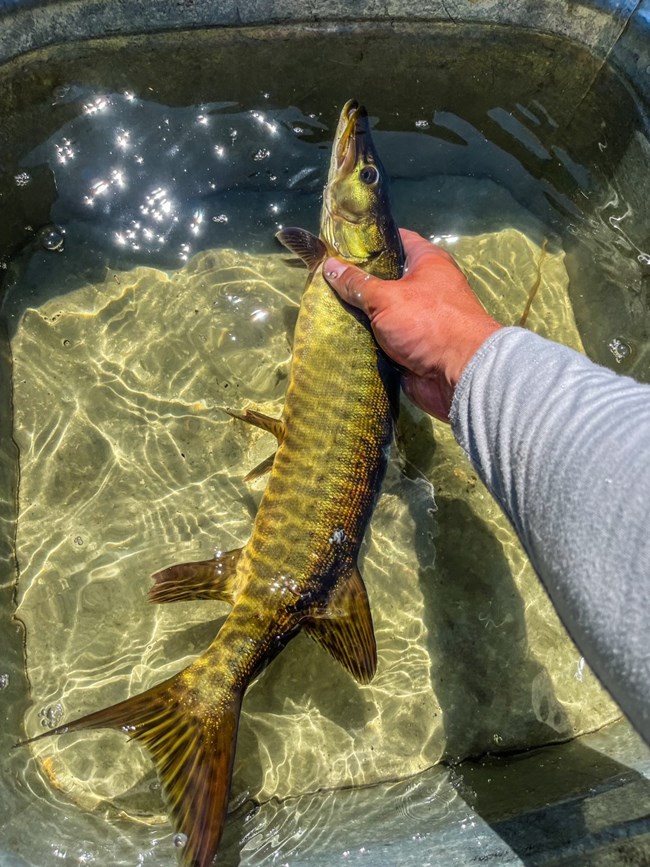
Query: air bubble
<point>22,179</point>
<point>619,349</point>
<point>422,124</point>
<point>78,540</point>
<point>220,218</point>
<point>51,716</point>
<point>60,92</point>
<point>179,840</point>
<point>4,681</point>
<point>261,154</point>
<point>51,238</point>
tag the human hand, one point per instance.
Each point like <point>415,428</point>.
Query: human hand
<point>429,321</point>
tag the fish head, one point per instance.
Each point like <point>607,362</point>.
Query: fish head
<point>356,220</point>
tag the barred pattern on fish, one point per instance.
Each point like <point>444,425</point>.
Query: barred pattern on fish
<point>299,568</point>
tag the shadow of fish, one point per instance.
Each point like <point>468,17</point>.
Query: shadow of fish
<point>298,570</point>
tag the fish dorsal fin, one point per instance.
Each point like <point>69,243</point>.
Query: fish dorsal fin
<point>203,579</point>
<point>344,627</point>
<point>302,243</point>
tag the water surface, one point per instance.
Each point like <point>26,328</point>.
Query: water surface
<point>148,294</point>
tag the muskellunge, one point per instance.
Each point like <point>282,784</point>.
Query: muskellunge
<point>299,568</point>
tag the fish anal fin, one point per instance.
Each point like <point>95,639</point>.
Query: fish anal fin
<point>192,747</point>
<point>259,419</point>
<point>302,243</point>
<point>203,579</point>
<point>262,468</point>
<point>344,627</point>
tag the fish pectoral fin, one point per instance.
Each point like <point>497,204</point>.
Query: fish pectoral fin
<point>203,579</point>
<point>259,419</point>
<point>263,467</point>
<point>344,627</point>
<point>302,243</point>
<point>192,745</point>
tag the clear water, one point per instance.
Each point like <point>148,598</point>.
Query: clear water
<point>147,294</point>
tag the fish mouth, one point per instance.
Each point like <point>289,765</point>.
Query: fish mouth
<point>351,136</point>
<point>352,146</point>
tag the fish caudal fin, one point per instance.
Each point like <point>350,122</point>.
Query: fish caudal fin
<point>203,579</point>
<point>192,745</point>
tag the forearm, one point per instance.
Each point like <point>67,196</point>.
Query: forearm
<point>564,446</point>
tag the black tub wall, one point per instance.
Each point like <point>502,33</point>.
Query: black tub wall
<point>12,677</point>
<point>614,31</point>
<point>597,24</point>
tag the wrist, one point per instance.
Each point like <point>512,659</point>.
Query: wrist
<point>469,339</point>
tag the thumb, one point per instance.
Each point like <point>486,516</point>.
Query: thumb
<point>349,282</point>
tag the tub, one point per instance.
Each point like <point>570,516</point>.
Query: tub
<point>531,793</point>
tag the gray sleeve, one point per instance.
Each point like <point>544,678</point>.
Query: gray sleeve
<point>564,446</point>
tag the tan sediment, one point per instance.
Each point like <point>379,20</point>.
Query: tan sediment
<point>129,464</point>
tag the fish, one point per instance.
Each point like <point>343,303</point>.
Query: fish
<point>298,571</point>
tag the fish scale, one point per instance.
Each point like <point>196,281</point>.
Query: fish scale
<point>298,570</point>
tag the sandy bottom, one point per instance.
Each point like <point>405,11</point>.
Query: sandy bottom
<point>128,463</point>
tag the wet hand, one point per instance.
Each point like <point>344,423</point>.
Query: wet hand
<point>429,321</point>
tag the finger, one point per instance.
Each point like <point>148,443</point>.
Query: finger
<point>351,283</point>
<point>410,237</point>
<point>417,248</point>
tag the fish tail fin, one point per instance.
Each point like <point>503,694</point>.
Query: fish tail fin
<point>192,744</point>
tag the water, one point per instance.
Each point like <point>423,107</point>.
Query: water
<point>146,294</point>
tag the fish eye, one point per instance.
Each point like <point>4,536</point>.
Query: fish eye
<point>369,174</point>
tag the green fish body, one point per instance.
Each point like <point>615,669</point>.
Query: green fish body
<point>299,568</point>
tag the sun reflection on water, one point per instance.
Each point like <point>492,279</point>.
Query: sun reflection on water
<point>121,385</point>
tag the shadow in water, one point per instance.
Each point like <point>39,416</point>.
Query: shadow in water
<point>492,691</point>
<point>496,696</point>
<point>566,804</point>
<point>12,674</point>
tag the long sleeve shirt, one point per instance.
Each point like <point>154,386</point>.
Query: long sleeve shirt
<point>564,446</point>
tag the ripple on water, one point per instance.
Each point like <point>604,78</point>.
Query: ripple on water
<point>128,463</point>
